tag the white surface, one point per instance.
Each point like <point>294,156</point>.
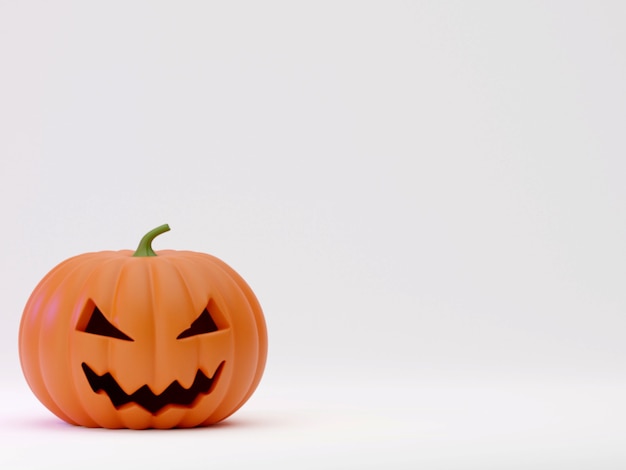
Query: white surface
<point>428,192</point>
<point>345,425</point>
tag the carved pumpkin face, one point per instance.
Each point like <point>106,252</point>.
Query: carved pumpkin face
<point>161,340</point>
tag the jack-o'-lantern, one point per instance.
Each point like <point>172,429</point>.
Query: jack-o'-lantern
<point>144,339</point>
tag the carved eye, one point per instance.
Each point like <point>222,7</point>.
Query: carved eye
<point>201,325</point>
<point>99,325</point>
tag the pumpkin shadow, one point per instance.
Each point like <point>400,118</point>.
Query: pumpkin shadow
<point>58,425</point>
<point>38,423</point>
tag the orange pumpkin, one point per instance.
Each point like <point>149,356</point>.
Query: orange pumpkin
<point>148,339</point>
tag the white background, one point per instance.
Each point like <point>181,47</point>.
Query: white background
<point>427,198</point>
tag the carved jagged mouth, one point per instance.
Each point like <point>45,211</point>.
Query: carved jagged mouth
<point>175,394</point>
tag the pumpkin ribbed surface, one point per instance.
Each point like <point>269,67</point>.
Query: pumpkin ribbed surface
<point>114,340</point>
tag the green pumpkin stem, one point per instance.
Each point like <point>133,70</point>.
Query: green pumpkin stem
<point>145,245</point>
